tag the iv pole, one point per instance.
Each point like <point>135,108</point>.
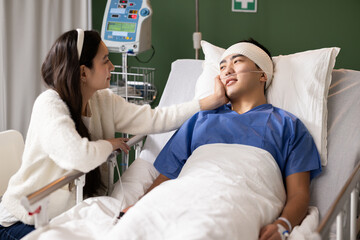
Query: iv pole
<point>89,15</point>
<point>197,34</point>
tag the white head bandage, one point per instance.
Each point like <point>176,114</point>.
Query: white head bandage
<point>255,54</point>
<point>80,41</point>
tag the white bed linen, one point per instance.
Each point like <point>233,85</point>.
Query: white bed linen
<point>225,191</point>
<point>93,218</point>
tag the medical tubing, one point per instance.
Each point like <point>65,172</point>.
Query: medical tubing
<point>234,74</point>
<point>284,234</point>
<point>117,217</point>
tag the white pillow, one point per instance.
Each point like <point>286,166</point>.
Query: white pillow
<point>300,86</point>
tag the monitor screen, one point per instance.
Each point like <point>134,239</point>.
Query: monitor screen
<point>121,27</point>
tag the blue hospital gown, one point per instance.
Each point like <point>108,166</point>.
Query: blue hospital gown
<point>279,132</point>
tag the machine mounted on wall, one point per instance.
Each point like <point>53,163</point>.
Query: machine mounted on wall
<point>126,26</point>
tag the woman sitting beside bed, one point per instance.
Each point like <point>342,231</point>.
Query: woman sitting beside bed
<point>246,71</point>
<point>73,124</point>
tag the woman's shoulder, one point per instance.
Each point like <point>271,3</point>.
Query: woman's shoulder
<point>49,96</point>
<point>107,97</point>
<point>50,100</point>
<point>104,94</point>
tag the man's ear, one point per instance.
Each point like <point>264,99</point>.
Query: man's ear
<point>263,77</point>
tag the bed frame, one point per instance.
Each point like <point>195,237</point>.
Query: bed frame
<point>36,203</point>
<point>339,199</point>
<point>339,210</point>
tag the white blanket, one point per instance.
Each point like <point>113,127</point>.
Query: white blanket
<point>224,191</point>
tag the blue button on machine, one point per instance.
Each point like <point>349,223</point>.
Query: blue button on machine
<point>144,12</point>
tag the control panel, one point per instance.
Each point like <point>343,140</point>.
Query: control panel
<point>126,26</point>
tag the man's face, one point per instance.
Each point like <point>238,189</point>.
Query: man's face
<point>239,75</point>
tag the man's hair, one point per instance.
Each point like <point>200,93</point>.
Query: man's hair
<point>253,41</point>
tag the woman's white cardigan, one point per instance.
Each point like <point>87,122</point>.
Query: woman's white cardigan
<point>53,145</point>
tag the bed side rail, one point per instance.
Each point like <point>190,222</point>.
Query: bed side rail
<point>350,190</point>
<point>36,202</point>
<point>51,187</point>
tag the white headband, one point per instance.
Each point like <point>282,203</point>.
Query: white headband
<point>80,41</point>
<point>255,54</point>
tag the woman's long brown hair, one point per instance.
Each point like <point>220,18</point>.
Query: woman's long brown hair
<point>61,72</point>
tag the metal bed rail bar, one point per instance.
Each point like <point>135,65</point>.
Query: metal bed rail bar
<point>36,202</point>
<point>349,192</point>
<point>51,187</point>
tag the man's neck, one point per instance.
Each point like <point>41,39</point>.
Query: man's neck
<point>243,105</point>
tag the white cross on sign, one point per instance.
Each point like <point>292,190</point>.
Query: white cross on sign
<point>244,3</point>
<point>244,6</point>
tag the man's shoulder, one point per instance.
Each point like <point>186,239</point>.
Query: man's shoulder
<point>292,121</point>
<point>285,114</point>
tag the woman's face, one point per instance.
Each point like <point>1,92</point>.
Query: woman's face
<point>98,77</point>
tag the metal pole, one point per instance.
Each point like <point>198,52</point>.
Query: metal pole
<point>353,213</point>
<point>124,70</point>
<point>196,25</point>
<point>197,15</point>
<point>339,228</point>
<point>89,20</point>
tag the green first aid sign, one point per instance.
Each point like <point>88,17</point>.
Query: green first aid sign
<point>244,5</point>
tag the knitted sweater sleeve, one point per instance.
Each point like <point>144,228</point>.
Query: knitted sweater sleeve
<point>59,139</point>
<point>135,119</point>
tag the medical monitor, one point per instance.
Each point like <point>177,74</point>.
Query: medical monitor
<point>126,26</point>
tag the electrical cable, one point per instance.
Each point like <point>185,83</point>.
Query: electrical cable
<point>146,61</point>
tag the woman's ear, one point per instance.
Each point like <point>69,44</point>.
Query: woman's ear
<point>82,74</point>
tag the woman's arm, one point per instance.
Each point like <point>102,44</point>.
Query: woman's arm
<point>134,119</point>
<point>52,134</point>
<point>295,209</point>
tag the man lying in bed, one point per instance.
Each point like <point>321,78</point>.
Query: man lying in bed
<point>246,70</point>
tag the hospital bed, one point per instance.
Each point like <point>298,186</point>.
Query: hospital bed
<point>335,192</point>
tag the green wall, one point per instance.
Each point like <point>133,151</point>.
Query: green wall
<point>283,26</point>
